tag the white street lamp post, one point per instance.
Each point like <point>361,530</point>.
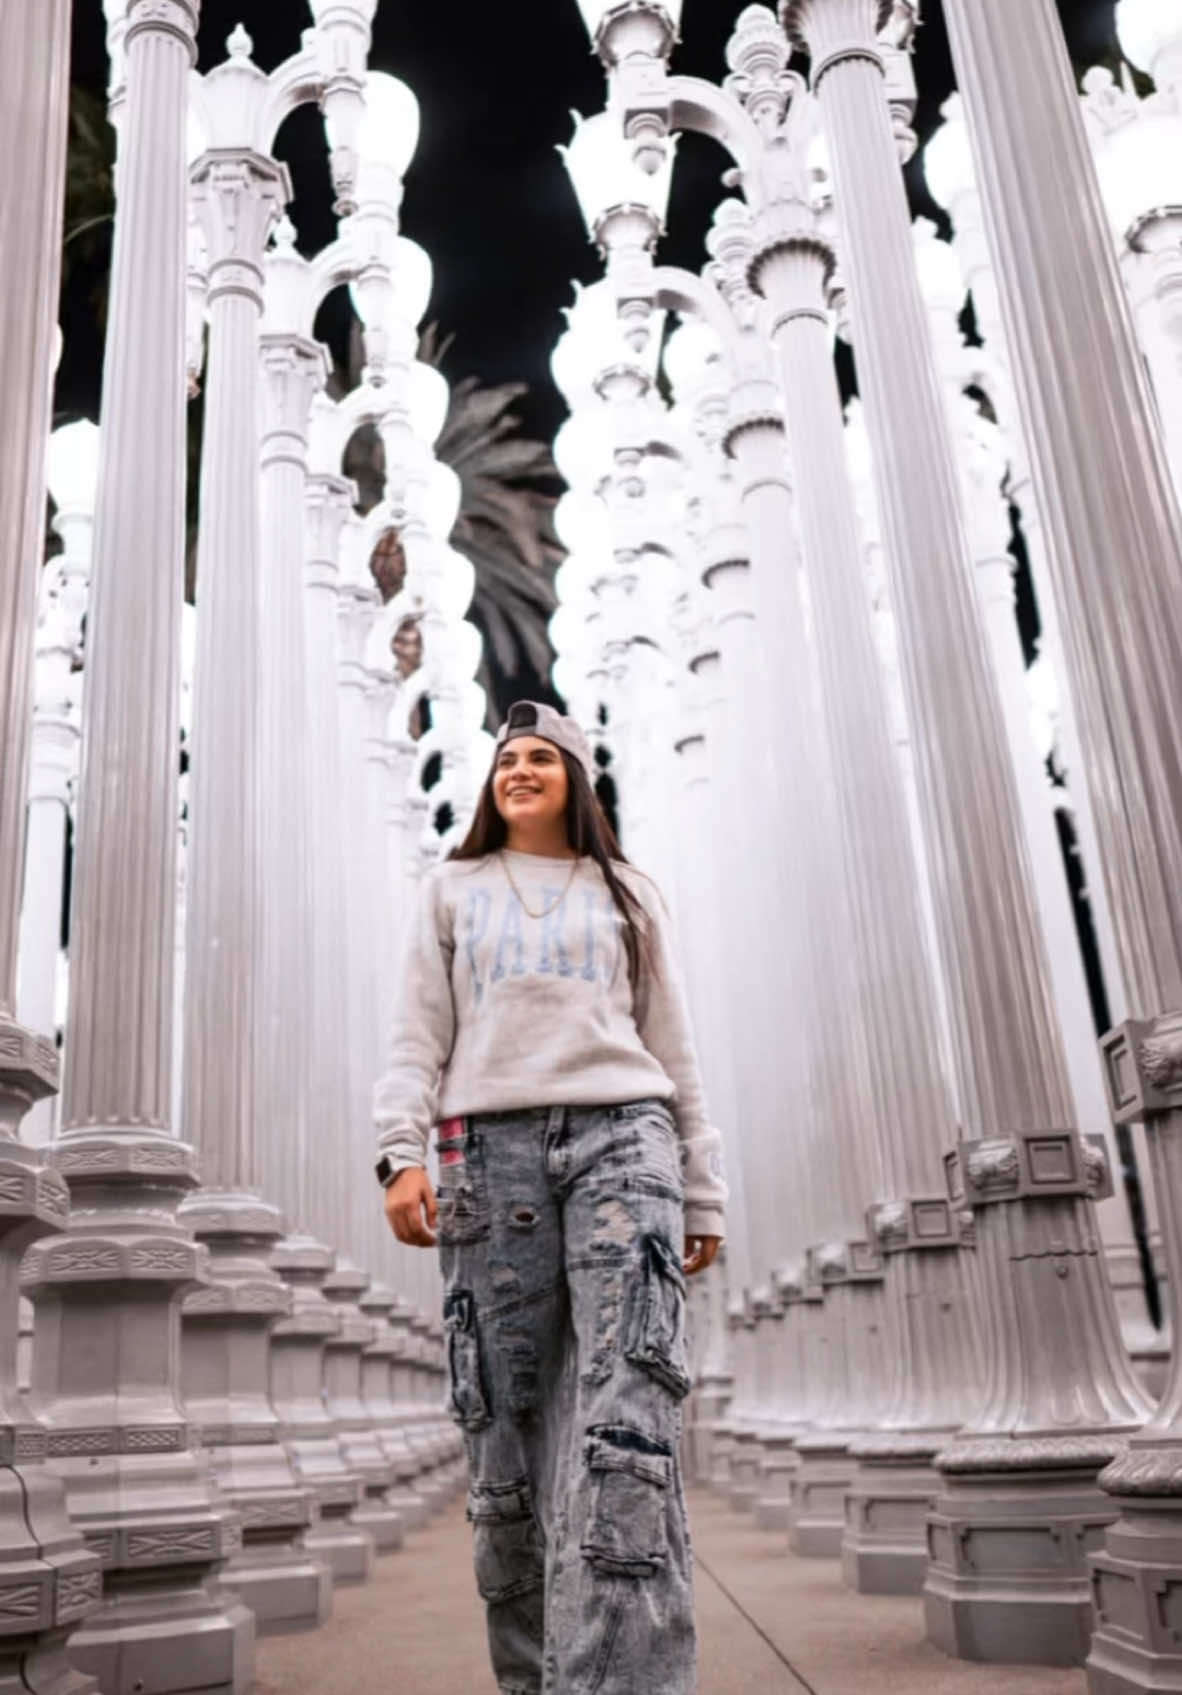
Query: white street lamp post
<point>73,474</point>
<point>913,1223</point>
<point>38,1603</point>
<point>982,459</point>
<point>238,193</point>
<point>1105,493</point>
<point>107,1299</point>
<point>1011,1077</point>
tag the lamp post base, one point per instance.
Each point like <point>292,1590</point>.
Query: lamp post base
<point>778,1464</point>
<point>284,1587</point>
<point>194,1637</point>
<point>884,1549</point>
<point>1010,1534</point>
<point>819,1485</point>
<point>1137,1576</point>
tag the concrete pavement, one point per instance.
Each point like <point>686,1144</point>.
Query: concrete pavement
<point>770,1623</point>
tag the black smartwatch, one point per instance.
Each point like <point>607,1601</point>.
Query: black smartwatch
<point>385,1171</point>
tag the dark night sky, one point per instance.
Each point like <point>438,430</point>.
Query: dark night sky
<point>487,195</point>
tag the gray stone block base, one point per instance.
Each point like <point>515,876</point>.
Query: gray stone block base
<point>884,1550</point>
<point>381,1521</point>
<point>1137,1591</point>
<point>409,1504</point>
<point>818,1498</point>
<point>777,1464</point>
<point>161,1641</point>
<point>284,1587</point>
<point>744,1471</point>
<point>1008,1581</point>
<point>343,1547</point>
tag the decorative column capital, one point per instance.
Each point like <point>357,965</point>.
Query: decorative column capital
<point>237,195</point>
<point>177,18</point>
<point>830,1263</point>
<point>917,1222</point>
<point>293,371</point>
<point>833,31</point>
<point>791,264</point>
<point>328,501</point>
<point>1029,1165</point>
<point>1143,1067</point>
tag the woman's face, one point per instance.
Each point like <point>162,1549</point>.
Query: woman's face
<point>530,784</point>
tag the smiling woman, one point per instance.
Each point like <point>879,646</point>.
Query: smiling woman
<point>542,1026</point>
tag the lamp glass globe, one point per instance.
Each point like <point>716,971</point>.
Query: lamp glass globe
<point>427,397</point>
<point>414,278</point>
<point>690,352</point>
<point>1147,27</point>
<point>459,585</point>
<point>594,12</point>
<point>940,275</point>
<point>73,464</point>
<point>581,522</point>
<point>604,174</point>
<point>1140,169</point>
<point>948,157</point>
<point>389,132</point>
<point>575,363</point>
<point>583,448</point>
<point>441,501</point>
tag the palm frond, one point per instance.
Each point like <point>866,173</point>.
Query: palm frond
<point>509,487</point>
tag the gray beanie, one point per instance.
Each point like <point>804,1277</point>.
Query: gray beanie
<point>529,718</point>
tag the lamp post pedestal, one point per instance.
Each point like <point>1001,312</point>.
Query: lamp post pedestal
<point>225,1377</point>
<point>139,1490</point>
<point>298,1344</point>
<point>343,1288</point>
<point>49,1581</point>
<point>377,1389</point>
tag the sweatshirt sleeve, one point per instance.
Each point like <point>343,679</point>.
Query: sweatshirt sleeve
<point>423,1031</point>
<point>663,1021</point>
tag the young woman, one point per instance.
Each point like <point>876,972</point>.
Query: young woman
<point>542,1026</point>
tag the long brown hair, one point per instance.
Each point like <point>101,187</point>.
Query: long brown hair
<point>589,833</point>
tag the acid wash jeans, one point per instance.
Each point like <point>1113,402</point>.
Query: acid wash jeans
<point>561,1235</point>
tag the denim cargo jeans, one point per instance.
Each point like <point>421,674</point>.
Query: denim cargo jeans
<point>561,1235</point>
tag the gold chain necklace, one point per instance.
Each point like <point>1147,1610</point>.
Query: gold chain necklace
<point>546,911</point>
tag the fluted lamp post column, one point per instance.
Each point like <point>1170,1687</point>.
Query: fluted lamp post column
<point>1105,493</point>
<point>238,194</point>
<point>73,476</point>
<point>107,1297</point>
<point>936,1369</point>
<point>949,170</point>
<point>47,1582</point>
<point>1060,1395</point>
<point>983,462</point>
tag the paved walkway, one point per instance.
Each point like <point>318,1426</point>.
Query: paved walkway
<point>770,1624</point>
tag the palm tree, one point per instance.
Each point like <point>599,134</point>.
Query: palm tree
<point>508,488</point>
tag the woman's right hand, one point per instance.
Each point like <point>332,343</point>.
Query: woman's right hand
<point>411,1209</point>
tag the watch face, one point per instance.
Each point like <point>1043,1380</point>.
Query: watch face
<point>383,1170</point>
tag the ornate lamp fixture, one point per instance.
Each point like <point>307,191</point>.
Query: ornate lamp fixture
<point>1151,34</point>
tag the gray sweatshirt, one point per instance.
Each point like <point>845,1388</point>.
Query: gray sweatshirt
<point>499,1010</point>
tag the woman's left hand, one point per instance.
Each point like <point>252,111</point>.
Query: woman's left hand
<point>700,1251</point>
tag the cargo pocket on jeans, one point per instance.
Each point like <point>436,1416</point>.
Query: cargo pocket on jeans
<point>630,1479</point>
<point>655,1337</point>
<point>469,1403</point>
<point>507,1544</point>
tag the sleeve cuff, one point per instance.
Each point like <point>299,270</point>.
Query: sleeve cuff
<point>705,1221</point>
